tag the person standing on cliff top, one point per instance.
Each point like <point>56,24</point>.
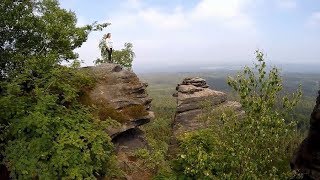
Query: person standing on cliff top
<point>109,46</point>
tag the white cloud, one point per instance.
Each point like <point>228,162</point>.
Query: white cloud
<point>314,19</point>
<point>132,4</point>
<point>203,34</point>
<point>211,32</point>
<point>219,9</point>
<point>231,13</point>
<point>287,4</point>
<point>175,20</point>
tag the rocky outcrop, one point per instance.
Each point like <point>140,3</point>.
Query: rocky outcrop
<point>306,160</point>
<point>192,95</point>
<point>118,94</point>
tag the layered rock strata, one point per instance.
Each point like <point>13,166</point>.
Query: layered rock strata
<point>118,94</point>
<point>192,95</point>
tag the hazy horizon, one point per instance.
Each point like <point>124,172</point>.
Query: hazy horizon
<point>284,67</point>
<point>201,33</point>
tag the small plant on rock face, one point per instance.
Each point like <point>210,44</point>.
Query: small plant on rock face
<point>257,145</point>
<point>124,57</point>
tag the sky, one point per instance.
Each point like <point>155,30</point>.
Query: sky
<point>203,33</point>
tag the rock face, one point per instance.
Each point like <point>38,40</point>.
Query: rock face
<point>192,94</point>
<point>307,159</point>
<point>118,94</point>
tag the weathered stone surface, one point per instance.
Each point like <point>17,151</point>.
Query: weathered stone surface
<point>195,81</point>
<point>126,144</point>
<point>192,95</point>
<point>188,89</point>
<point>187,101</point>
<point>187,121</point>
<point>115,131</point>
<point>120,95</point>
<point>307,158</point>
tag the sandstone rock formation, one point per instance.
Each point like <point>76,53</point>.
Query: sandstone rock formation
<point>191,96</point>
<point>307,159</point>
<point>118,94</point>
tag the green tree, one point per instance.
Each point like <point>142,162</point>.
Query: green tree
<point>260,92</point>
<point>45,132</point>
<point>255,145</point>
<point>124,57</point>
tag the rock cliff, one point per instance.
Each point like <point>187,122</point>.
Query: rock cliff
<point>120,95</point>
<point>307,160</point>
<point>191,96</point>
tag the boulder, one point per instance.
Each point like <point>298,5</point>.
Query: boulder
<point>306,160</point>
<point>192,95</point>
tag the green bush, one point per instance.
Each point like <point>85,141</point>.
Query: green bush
<point>50,134</point>
<point>155,158</point>
<point>159,132</point>
<point>255,145</point>
<point>198,155</point>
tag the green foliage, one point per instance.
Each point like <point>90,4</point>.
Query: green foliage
<point>301,113</point>
<point>198,158</point>
<point>47,148</point>
<point>124,57</point>
<point>38,29</point>
<point>45,132</point>
<point>155,159</point>
<point>254,145</point>
<point>259,91</point>
<point>50,135</point>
